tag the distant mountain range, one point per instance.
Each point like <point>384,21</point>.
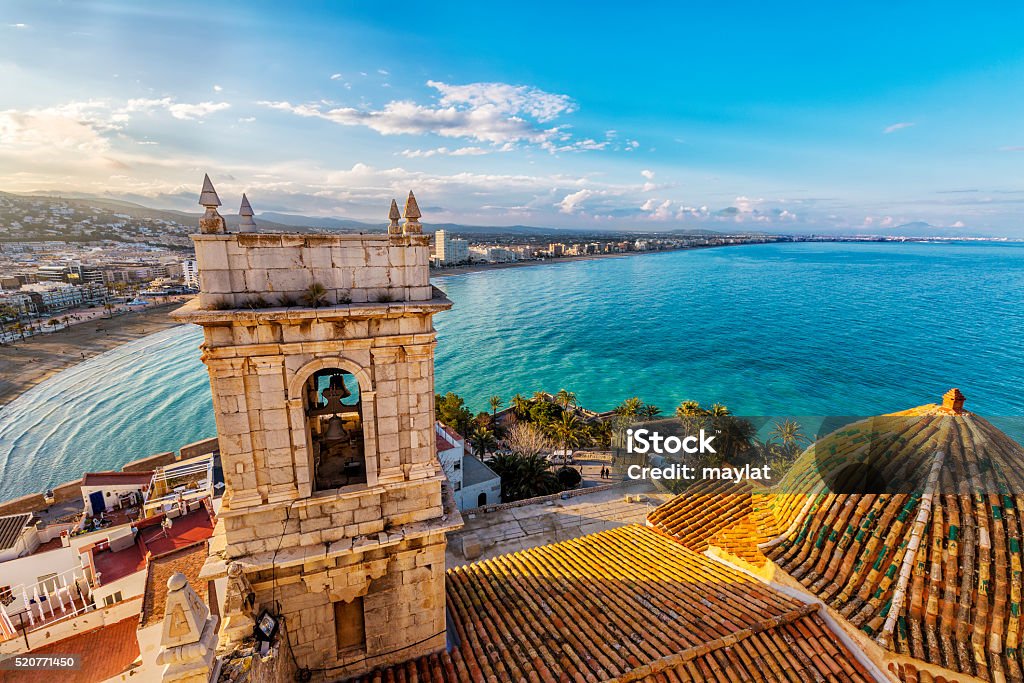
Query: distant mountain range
<point>285,222</point>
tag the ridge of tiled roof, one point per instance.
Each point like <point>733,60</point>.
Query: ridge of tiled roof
<point>734,516</point>
<point>626,604</point>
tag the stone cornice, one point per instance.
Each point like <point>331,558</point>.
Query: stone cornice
<point>192,313</point>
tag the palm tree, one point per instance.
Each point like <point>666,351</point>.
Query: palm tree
<point>629,408</point>
<point>495,403</point>
<point>649,412</point>
<point>789,434</point>
<point>565,399</point>
<point>601,433</point>
<point>315,295</point>
<point>736,434</point>
<point>521,406</point>
<point>568,432</point>
<point>523,476</point>
<point>482,439</point>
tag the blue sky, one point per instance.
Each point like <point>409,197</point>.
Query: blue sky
<point>639,116</point>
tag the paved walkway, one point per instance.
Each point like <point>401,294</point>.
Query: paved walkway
<point>515,529</point>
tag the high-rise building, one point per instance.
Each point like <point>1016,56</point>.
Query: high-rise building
<point>450,250</point>
<point>190,273</point>
<point>334,510</point>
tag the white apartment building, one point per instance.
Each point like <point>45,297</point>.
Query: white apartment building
<point>190,273</point>
<point>53,296</point>
<point>450,250</point>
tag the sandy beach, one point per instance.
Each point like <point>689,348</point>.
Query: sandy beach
<point>477,267</point>
<point>27,363</point>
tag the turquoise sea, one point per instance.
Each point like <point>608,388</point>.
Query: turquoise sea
<point>786,329</point>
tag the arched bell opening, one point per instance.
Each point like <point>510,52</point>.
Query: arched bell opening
<point>334,415</point>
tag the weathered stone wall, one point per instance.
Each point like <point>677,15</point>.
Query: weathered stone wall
<point>198,448</point>
<point>341,520</point>
<point>258,397</point>
<point>403,593</point>
<point>150,463</point>
<point>236,268</point>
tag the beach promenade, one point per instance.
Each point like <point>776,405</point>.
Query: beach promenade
<point>28,362</point>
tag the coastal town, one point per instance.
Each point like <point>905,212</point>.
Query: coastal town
<point>346,522</point>
<point>65,261</point>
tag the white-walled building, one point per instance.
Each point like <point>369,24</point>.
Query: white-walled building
<point>53,296</point>
<point>190,273</point>
<point>450,250</point>
<point>474,483</point>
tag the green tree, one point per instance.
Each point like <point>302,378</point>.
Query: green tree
<point>495,403</point>
<point>452,411</point>
<point>544,413</point>
<point>523,476</point>
<point>565,399</point>
<point>521,406</point>
<point>601,433</point>
<point>568,431</point>
<point>629,408</point>
<point>735,434</point>
<point>648,411</point>
<point>789,434</point>
<point>482,440</point>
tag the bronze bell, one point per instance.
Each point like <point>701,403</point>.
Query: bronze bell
<point>335,429</point>
<point>338,384</point>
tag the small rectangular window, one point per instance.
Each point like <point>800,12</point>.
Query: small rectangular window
<point>349,625</point>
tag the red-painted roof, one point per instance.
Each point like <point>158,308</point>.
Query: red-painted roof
<point>442,444</point>
<point>105,652</point>
<point>117,478</point>
<point>186,531</point>
<point>117,565</point>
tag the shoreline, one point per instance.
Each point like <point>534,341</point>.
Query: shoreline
<point>32,361</point>
<point>480,267</point>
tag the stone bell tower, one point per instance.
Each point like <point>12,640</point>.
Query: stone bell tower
<point>320,350</point>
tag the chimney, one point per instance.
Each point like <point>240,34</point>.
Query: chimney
<point>953,400</point>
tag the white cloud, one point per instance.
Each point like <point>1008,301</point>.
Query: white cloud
<point>383,72</point>
<point>17,25</point>
<point>179,110</point>
<point>335,77</point>
<point>958,224</point>
<point>495,113</point>
<point>647,174</point>
<point>247,119</point>
<point>572,203</point>
<point>217,88</point>
<point>658,211</point>
<point>898,126</point>
<point>444,151</point>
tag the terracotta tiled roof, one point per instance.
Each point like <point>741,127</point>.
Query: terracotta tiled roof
<point>920,548</point>
<point>624,605</point>
<point>930,563</point>
<point>105,652</point>
<point>189,561</point>
<point>733,516</point>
